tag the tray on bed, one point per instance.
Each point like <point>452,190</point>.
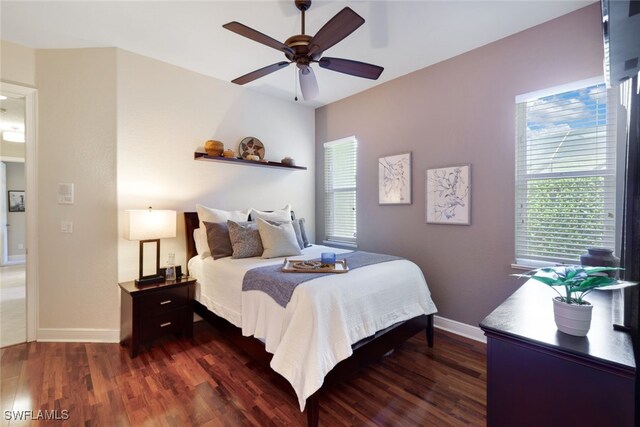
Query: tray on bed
<point>313,266</point>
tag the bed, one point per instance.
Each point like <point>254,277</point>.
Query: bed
<point>328,330</point>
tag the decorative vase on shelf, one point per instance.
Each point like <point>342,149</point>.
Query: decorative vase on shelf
<point>601,257</point>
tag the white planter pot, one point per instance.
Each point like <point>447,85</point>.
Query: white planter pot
<point>572,319</point>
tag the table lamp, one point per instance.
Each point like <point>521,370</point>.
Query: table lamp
<point>149,226</point>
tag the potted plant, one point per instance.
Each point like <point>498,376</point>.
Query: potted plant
<point>572,312</point>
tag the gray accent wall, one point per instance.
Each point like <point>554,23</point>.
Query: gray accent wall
<point>458,111</point>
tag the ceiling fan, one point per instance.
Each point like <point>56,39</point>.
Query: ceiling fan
<point>303,50</point>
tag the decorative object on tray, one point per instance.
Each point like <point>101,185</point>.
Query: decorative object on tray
<point>602,257</point>
<point>571,312</point>
<point>394,180</point>
<point>229,153</point>
<point>328,259</point>
<point>253,157</point>
<point>251,146</point>
<point>314,266</point>
<point>289,161</point>
<point>214,148</point>
<point>448,195</point>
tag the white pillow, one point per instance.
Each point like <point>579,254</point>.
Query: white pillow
<point>219,216</point>
<point>278,240</point>
<point>200,239</point>
<point>283,214</point>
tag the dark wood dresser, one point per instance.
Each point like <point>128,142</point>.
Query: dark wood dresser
<point>152,311</point>
<point>539,376</point>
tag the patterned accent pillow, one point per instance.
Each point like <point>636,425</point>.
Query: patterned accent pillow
<point>218,239</point>
<point>245,239</point>
<point>278,240</point>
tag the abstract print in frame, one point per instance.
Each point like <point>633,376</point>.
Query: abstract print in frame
<point>448,195</point>
<point>394,180</point>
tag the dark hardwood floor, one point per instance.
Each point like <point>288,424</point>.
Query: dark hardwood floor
<point>208,381</point>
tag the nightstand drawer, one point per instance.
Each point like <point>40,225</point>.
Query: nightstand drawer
<point>166,323</point>
<point>164,301</point>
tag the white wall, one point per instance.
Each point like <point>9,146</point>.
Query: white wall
<point>17,64</point>
<point>165,113</point>
<point>77,273</point>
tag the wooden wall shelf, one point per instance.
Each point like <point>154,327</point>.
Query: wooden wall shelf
<point>269,164</point>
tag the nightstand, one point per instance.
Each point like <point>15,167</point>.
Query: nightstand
<point>152,311</point>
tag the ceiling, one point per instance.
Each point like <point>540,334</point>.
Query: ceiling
<point>401,36</point>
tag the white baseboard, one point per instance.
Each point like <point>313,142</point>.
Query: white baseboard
<point>459,328</point>
<point>78,335</point>
<point>113,335</point>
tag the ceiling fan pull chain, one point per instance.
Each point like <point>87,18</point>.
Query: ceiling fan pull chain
<point>295,84</point>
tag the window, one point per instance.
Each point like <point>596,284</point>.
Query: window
<point>565,174</point>
<point>340,190</point>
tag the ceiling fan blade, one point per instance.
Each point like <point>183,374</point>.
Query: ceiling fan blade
<point>308,83</point>
<point>259,73</point>
<point>340,26</point>
<point>257,36</point>
<point>354,68</point>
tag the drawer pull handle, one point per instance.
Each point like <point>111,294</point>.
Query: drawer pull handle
<point>165,324</point>
<point>165,302</point>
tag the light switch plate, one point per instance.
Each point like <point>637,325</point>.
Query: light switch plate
<point>66,227</point>
<point>65,193</point>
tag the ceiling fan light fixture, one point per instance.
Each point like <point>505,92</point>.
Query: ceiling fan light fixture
<point>303,49</point>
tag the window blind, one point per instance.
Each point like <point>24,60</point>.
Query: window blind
<point>565,175</point>
<point>340,190</point>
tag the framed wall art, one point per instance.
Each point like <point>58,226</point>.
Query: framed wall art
<point>394,180</point>
<point>16,201</point>
<point>448,195</point>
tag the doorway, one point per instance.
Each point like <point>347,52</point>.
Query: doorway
<point>13,321</point>
<point>18,214</point>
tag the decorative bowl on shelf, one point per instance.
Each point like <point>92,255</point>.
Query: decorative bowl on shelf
<point>214,148</point>
<point>289,161</point>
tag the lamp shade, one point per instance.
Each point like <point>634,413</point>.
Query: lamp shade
<point>148,224</point>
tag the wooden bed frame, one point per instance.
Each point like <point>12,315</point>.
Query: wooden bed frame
<point>365,351</point>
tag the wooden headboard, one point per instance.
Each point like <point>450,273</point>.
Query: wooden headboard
<point>191,223</point>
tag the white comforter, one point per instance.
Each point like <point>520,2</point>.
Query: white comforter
<point>324,317</point>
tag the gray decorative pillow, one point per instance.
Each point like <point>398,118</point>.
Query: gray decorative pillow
<point>278,240</point>
<point>303,233</point>
<point>296,228</point>
<point>218,239</point>
<point>245,239</point>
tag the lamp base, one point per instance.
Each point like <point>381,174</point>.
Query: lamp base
<point>149,280</point>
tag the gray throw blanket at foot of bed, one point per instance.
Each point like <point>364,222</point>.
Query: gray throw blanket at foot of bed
<point>280,286</point>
